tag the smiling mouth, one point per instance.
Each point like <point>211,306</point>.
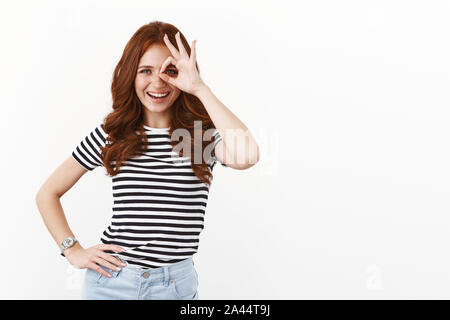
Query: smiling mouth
<point>159,95</point>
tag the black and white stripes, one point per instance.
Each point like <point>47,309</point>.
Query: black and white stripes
<point>159,203</point>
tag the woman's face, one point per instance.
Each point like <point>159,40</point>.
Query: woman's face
<point>148,81</point>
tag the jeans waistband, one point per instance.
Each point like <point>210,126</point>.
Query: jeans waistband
<point>171,270</point>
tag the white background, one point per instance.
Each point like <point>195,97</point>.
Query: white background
<point>348,101</point>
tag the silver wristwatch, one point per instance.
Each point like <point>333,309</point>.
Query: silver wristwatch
<point>67,243</point>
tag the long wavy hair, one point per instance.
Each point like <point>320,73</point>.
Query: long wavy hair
<point>127,118</point>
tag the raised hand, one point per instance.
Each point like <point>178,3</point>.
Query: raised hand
<point>188,78</point>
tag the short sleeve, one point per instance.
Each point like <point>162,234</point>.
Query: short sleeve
<point>214,160</point>
<point>87,152</point>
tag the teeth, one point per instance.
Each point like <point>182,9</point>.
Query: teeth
<point>158,95</point>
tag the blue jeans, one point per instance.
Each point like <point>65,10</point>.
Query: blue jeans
<point>178,281</point>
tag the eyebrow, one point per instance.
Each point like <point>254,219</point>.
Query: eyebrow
<point>151,67</point>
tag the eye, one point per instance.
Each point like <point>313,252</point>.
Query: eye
<point>173,71</point>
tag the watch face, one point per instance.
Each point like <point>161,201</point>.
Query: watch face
<point>67,242</point>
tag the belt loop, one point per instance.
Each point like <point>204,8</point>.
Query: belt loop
<point>166,276</point>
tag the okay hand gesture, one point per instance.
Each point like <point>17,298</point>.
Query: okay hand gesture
<point>188,78</point>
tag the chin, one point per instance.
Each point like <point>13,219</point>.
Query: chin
<point>157,108</point>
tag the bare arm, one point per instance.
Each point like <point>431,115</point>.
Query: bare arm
<point>238,148</point>
<point>49,205</point>
<point>47,198</point>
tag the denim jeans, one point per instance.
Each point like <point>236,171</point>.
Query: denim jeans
<point>178,281</point>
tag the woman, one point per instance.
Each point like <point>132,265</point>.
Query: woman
<point>160,191</point>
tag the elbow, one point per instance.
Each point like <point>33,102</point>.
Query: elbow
<point>38,201</point>
<point>246,166</point>
<point>250,161</point>
<point>43,195</point>
<point>244,161</point>
<point>39,196</point>
<point>250,164</point>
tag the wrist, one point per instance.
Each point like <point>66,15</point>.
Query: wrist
<point>201,91</point>
<point>76,247</point>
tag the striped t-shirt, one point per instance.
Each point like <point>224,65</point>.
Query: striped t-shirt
<point>159,203</point>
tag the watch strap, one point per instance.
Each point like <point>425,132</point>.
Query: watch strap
<point>64,247</point>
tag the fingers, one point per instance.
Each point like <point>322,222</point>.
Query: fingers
<point>164,76</point>
<point>99,269</point>
<point>98,257</point>
<point>180,44</point>
<point>193,52</point>
<point>111,259</point>
<point>105,263</point>
<point>111,247</point>
<point>168,61</point>
<point>171,47</point>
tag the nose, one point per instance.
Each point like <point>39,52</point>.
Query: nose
<point>156,78</point>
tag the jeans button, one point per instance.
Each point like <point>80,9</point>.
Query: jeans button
<point>146,275</point>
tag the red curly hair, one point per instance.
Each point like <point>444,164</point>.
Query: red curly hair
<point>127,118</point>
